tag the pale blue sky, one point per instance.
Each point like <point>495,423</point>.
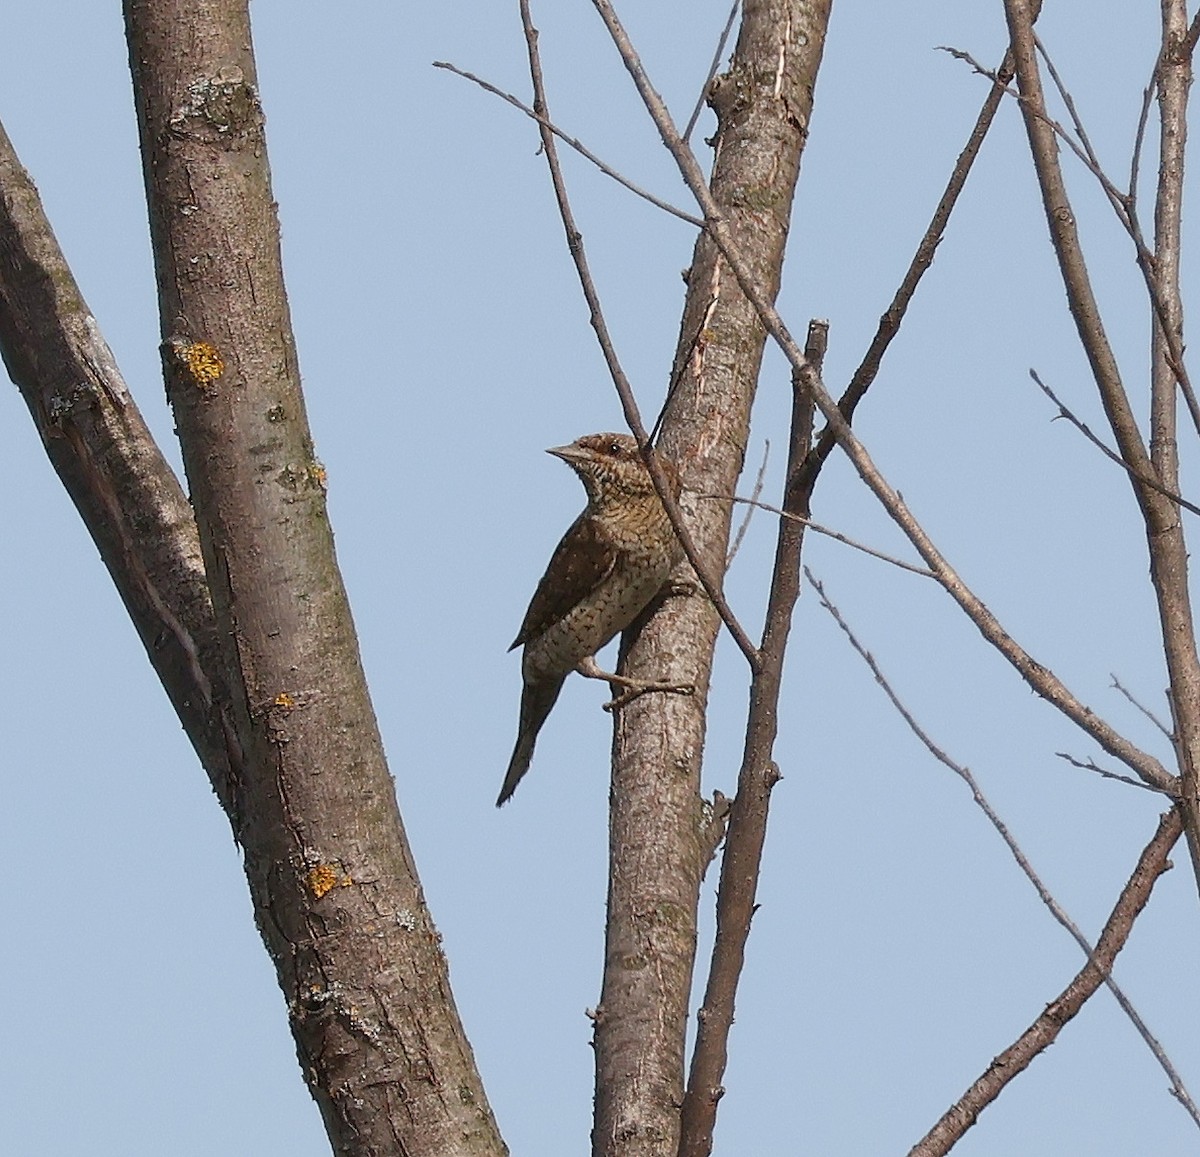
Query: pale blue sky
<point>444,345</point>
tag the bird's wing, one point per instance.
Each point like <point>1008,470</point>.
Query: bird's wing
<point>583,559</point>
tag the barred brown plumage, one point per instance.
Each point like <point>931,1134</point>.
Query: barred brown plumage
<point>610,564</point>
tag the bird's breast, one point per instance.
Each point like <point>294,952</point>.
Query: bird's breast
<point>599,616</point>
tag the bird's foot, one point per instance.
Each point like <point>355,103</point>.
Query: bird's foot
<point>634,688</point>
<point>679,588</point>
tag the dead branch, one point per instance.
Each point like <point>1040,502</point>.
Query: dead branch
<point>1164,534</point>
<point>1118,686</point>
<point>747,831</point>
<point>1170,335</point>
<point>1095,960</point>
<point>893,316</point>
<point>1123,203</point>
<point>1044,1030</point>
<point>1040,678</point>
<point>572,142</point>
<point>751,503</point>
<point>817,528</point>
<point>1112,455</point>
<point>722,40</point>
<point>1104,773</point>
<point>124,489</point>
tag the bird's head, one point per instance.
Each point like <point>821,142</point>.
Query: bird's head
<point>611,468</point>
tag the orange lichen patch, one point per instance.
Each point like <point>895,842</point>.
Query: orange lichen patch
<point>324,878</point>
<point>203,362</point>
<point>284,700</point>
<point>319,475</point>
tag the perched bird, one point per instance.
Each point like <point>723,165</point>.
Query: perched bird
<point>610,564</point>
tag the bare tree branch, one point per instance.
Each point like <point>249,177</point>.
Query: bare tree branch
<point>1139,139</point>
<point>722,40</point>
<point>124,489</point>
<point>1117,685</point>
<point>1044,1030</point>
<point>1188,47</point>
<point>573,142</point>
<point>1164,533</point>
<point>1039,677</point>
<point>1086,431</point>
<point>817,528</point>
<point>1100,965</point>
<point>1079,145</point>
<point>1104,773</point>
<point>752,503</point>
<point>1123,204</point>
<point>758,775</point>
<point>893,317</point>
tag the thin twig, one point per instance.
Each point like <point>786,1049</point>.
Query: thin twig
<point>573,142</point>
<point>745,526</point>
<point>1039,677</point>
<point>1122,204</point>
<point>1044,1030</point>
<point>1103,772</point>
<point>712,71</point>
<point>629,404</point>
<point>1115,196</point>
<point>892,318</point>
<point>1083,428</point>
<point>1118,686</point>
<point>924,572</point>
<point>1089,153</point>
<point>1096,959</point>
<point>1139,139</point>
<point>1147,261</point>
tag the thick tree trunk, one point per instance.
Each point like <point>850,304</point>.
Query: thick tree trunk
<point>763,106</point>
<point>335,890</point>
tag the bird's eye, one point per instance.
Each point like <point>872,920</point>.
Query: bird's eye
<point>614,448</point>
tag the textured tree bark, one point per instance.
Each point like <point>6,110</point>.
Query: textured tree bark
<point>763,106</point>
<point>1166,545</point>
<point>124,489</point>
<point>1168,548</point>
<point>335,890</point>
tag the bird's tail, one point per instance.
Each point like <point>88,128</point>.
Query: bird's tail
<point>536,701</point>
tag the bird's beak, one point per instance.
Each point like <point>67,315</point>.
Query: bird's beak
<point>569,454</point>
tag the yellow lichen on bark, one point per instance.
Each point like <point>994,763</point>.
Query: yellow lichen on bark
<point>203,362</point>
<point>324,878</point>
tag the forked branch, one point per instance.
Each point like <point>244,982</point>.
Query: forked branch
<point>1178,1089</point>
<point>1164,532</point>
<point>1042,1033</point>
<point>1039,677</point>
